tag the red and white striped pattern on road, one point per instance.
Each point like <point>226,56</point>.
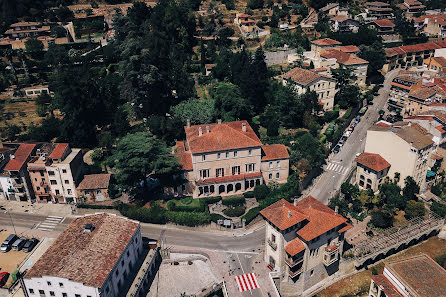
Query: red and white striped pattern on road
<point>247,282</point>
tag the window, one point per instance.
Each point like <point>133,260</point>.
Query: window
<point>273,238</point>
<point>69,191</point>
<point>250,152</point>
<point>107,289</point>
<point>117,271</point>
<point>219,172</point>
<point>270,176</point>
<point>235,170</point>
<point>64,171</point>
<point>52,293</point>
<point>277,175</point>
<point>87,192</point>
<point>122,263</point>
<point>235,154</point>
<point>278,164</point>
<point>48,283</point>
<point>61,285</point>
<point>311,272</point>
<point>67,181</point>
<point>57,192</point>
<point>53,182</point>
<point>270,165</point>
<point>227,155</point>
<point>250,167</point>
<point>31,291</point>
<point>35,179</point>
<point>204,173</point>
<point>50,172</point>
<point>77,295</point>
<point>41,292</point>
<point>218,156</point>
<point>136,239</point>
<point>41,173</point>
<point>203,157</point>
<point>38,188</point>
<point>128,254</point>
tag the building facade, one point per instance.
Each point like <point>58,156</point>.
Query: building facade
<point>304,243</point>
<point>378,10</point>
<point>228,159</point>
<point>400,88</point>
<point>371,169</point>
<point>94,187</point>
<point>27,29</point>
<point>357,65</point>
<point>431,25</point>
<point>92,257</point>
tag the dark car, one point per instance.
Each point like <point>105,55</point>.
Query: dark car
<point>18,244</point>
<point>337,148</point>
<point>29,245</point>
<point>3,278</point>
<point>7,244</point>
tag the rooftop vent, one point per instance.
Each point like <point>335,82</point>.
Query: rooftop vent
<point>88,228</point>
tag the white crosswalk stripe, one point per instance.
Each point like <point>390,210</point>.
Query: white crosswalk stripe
<point>336,168</point>
<point>50,223</point>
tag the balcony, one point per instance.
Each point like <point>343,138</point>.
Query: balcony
<point>291,263</point>
<point>331,254</point>
<point>273,245</point>
<point>295,273</point>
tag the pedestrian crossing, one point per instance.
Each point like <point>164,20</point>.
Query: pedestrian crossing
<point>337,168</point>
<point>247,282</point>
<point>50,223</point>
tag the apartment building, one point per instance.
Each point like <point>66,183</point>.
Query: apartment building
<point>37,172</point>
<point>411,55</point>
<point>371,169</point>
<point>6,150</point>
<point>431,25</point>
<point>406,147</point>
<point>378,10</point>
<point>304,243</point>
<point>357,65</point>
<point>400,88</point>
<point>302,80</point>
<point>434,122</point>
<point>15,180</point>
<point>27,29</point>
<point>435,64</point>
<point>383,26</point>
<point>228,159</point>
<point>418,276</point>
<point>343,23</point>
<point>320,45</point>
<point>412,8</point>
<point>92,257</point>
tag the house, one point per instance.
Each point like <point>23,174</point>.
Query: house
<point>432,25</point>
<point>411,55</point>
<point>93,256</point>
<point>320,45</point>
<point>420,99</point>
<point>27,29</point>
<point>36,91</point>
<point>378,10</point>
<point>343,23</point>
<point>435,64</point>
<point>371,169</point>
<point>400,88</point>
<point>304,242</point>
<point>94,187</point>
<point>228,159</point>
<point>383,26</point>
<point>349,49</point>
<point>331,9</point>
<point>412,8</point>
<point>406,147</point>
<point>15,180</point>
<point>434,122</point>
<point>357,65</point>
<point>6,150</point>
<point>415,276</point>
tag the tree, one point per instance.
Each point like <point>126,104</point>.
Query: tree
<point>390,194</point>
<point>58,31</point>
<point>196,110</point>
<point>414,209</point>
<point>411,189</point>
<point>376,57</point>
<point>43,102</point>
<point>64,14</point>
<point>347,96</point>
<point>343,76</point>
<point>138,156</point>
<point>33,46</point>
<point>261,192</point>
<point>309,148</point>
<point>439,209</point>
<point>350,191</point>
<point>255,4</point>
<point>381,113</point>
<point>381,219</point>
<point>229,105</point>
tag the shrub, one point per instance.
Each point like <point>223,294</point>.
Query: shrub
<point>414,209</point>
<point>261,192</point>
<point>154,214</point>
<point>249,194</point>
<point>234,201</point>
<point>93,206</point>
<point>251,214</point>
<point>216,216</point>
<point>438,208</point>
<point>347,113</point>
<point>210,200</point>
<point>234,211</point>
<point>188,218</point>
<point>381,219</point>
<point>177,205</point>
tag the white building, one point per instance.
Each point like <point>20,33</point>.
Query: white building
<point>91,258</point>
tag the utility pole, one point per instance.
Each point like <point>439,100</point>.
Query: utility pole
<point>12,223</point>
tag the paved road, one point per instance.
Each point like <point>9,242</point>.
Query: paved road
<point>339,165</point>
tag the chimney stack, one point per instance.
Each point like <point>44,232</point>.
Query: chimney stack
<point>188,123</point>
<point>200,131</point>
<point>295,202</point>
<point>244,127</point>
<point>208,129</point>
<point>219,121</point>
<point>289,214</point>
<point>336,209</point>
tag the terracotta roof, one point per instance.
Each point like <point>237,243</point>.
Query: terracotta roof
<point>439,18</point>
<point>400,86</point>
<point>384,23</point>
<point>440,60</point>
<point>420,275</point>
<point>302,76</point>
<point>346,228</point>
<point>184,157</point>
<point>377,3</point>
<point>225,136</point>
<point>20,156</point>
<point>351,49</point>
<point>415,48</point>
<point>95,181</point>
<point>373,161</point>
<point>59,151</point>
<point>386,286</point>
<point>274,152</point>
<point>326,41</point>
<point>229,178</point>
<point>340,18</point>
<point>412,2</point>
<point>295,246</point>
<point>384,124</point>
<point>342,57</point>
<point>86,257</point>
<point>435,156</point>
<point>24,24</point>
<point>415,137</point>
<point>283,214</point>
<point>422,93</point>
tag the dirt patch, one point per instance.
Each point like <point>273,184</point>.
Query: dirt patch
<point>356,284</point>
<point>9,261</point>
<point>22,113</point>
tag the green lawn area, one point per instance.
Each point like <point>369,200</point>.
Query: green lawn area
<point>189,201</point>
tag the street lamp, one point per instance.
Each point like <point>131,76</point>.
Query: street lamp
<point>12,223</point>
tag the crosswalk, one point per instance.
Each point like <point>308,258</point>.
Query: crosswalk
<point>337,168</point>
<point>50,223</point>
<point>247,282</point>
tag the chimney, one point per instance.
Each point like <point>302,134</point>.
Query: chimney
<point>208,129</point>
<point>295,202</point>
<point>244,127</point>
<point>219,121</point>
<point>289,214</point>
<point>336,209</point>
<point>188,123</point>
<point>200,131</point>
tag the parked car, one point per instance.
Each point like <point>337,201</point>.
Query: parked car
<point>354,124</point>
<point>3,278</point>
<point>358,118</point>
<point>336,149</point>
<point>18,244</point>
<point>350,129</point>
<point>344,137</point>
<point>7,244</point>
<point>341,142</point>
<point>29,245</point>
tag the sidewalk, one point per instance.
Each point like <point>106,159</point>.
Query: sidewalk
<point>45,209</point>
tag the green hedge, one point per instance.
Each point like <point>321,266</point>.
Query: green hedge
<point>94,206</point>
<point>252,214</point>
<point>186,205</point>
<point>189,218</point>
<point>234,201</point>
<point>234,211</point>
<point>249,194</point>
<point>347,113</point>
<point>155,214</point>
<point>216,216</point>
<point>211,200</point>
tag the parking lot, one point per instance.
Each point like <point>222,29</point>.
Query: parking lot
<point>11,260</point>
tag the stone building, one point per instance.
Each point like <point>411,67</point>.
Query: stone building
<point>371,169</point>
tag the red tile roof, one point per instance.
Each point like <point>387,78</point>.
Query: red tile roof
<point>283,214</point>
<point>225,136</point>
<point>415,48</point>
<point>422,93</point>
<point>20,156</point>
<point>373,161</point>
<point>95,181</point>
<point>184,157</point>
<point>351,49</point>
<point>274,152</point>
<point>342,57</point>
<point>386,286</point>
<point>59,151</point>
<point>229,178</point>
<point>400,86</point>
<point>302,76</point>
<point>86,257</point>
<point>384,23</point>
<point>377,3</point>
<point>326,41</point>
<point>295,246</point>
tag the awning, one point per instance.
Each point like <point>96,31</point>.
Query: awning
<point>430,173</point>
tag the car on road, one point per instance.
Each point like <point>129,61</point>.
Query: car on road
<point>7,243</point>
<point>30,244</point>
<point>344,137</point>
<point>354,124</point>
<point>3,278</point>
<point>350,129</point>
<point>358,118</point>
<point>18,244</point>
<point>337,148</point>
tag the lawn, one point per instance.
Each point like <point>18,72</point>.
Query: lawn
<point>21,113</point>
<point>358,284</point>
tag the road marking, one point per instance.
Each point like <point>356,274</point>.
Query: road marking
<point>49,223</point>
<point>55,217</point>
<point>247,282</point>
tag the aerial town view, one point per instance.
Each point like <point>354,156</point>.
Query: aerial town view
<point>222,148</point>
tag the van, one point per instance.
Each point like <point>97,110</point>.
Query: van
<point>18,244</point>
<point>6,245</point>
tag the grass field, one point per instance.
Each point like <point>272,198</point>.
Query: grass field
<point>21,113</point>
